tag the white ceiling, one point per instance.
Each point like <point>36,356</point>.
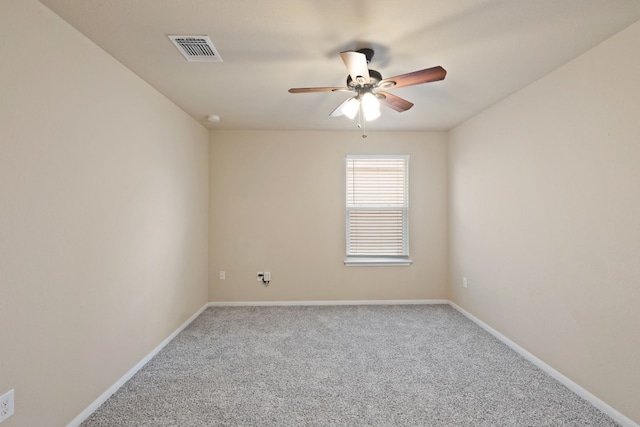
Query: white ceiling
<point>490,48</point>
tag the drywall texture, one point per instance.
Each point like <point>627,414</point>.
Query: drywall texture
<point>103,217</point>
<point>277,204</point>
<point>545,219</point>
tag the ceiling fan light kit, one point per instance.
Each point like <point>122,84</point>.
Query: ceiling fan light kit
<point>368,86</point>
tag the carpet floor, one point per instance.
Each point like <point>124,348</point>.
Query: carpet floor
<point>404,365</point>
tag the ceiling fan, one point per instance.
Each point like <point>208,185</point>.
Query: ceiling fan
<point>370,88</point>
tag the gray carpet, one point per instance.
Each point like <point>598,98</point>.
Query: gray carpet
<point>341,366</point>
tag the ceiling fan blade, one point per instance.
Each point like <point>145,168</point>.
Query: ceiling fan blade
<point>356,63</point>
<point>416,78</point>
<point>394,102</point>
<point>318,89</point>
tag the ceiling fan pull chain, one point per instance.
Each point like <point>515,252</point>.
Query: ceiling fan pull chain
<point>364,124</point>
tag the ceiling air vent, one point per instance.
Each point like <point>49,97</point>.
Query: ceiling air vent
<point>196,48</point>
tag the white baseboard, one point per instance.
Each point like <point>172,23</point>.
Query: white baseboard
<point>126,377</point>
<point>327,302</point>
<point>580,391</point>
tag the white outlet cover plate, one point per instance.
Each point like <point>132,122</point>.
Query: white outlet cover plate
<point>6,405</point>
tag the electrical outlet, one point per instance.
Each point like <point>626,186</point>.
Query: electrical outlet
<point>222,275</point>
<point>6,405</point>
<point>260,276</point>
<point>465,283</point>
<point>267,276</point>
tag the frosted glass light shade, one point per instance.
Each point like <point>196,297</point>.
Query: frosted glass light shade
<point>350,109</point>
<point>370,106</point>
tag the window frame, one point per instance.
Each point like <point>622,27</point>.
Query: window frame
<point>352,259</point>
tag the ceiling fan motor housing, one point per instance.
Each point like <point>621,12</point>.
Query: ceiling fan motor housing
<point>374,78</point>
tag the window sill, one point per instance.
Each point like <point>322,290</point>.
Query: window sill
<point>376,262</point>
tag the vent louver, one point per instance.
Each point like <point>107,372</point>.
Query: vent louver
<point>196,48</point>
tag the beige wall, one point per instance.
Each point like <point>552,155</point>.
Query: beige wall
<point>277,204</point>
<point>103,217</point>
<point>545,219</point>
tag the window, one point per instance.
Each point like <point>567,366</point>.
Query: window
<point>377,210</point>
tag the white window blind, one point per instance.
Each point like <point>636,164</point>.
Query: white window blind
<point>377,208</point>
